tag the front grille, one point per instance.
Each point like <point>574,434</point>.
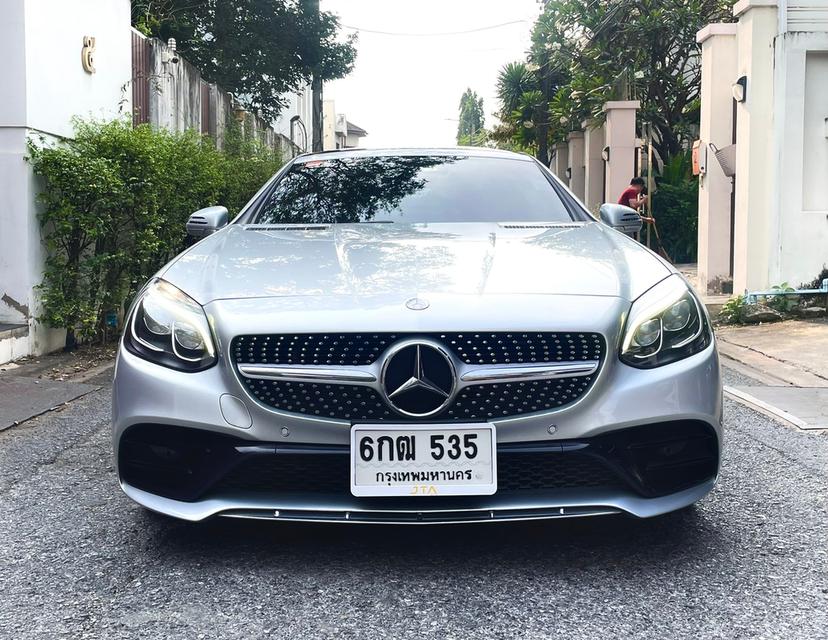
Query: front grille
<point>300,473</point>
<point>339,401</point>
<point>365,348</point>
<point>485,401</point>
<point>311,348</point>
<point>473,403</point>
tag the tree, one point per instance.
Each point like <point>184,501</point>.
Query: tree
<point>593,52</point>
<point>257,49</point>
<point>470,129</point>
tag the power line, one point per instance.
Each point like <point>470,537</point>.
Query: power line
<point>442,33</point>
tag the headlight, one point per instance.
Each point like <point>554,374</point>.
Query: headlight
<point>665,324</point>
<point>169,328</point>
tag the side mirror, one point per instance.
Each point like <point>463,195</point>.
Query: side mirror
<point>206,221</point>
<point>620,218</point>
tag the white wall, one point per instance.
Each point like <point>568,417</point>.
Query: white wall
<point>298,104</point>
<point>15,228</point>
<point>798,236</point>
<point>57,87</point>
<point>43,85</point>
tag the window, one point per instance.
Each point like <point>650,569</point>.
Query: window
<point>412,188</point>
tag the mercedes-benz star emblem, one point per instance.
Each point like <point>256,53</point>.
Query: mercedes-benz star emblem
<point>417,304</point>
<point>418,379</point>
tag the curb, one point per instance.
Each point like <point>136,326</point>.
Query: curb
<point>768,409</point>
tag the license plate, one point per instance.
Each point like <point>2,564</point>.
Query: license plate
<point>427,460</point>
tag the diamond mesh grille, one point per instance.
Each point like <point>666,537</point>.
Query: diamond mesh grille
<point>470,347</point>
<point>474,403</point>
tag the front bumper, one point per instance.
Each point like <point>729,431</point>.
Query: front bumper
<point>621,398</point>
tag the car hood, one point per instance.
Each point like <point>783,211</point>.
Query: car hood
<point>407,260</point>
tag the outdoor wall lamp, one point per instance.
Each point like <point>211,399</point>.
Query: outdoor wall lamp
<point>171,54</point>
<point>739,89</point>
<point>569,172</point>
<point>605,154</point>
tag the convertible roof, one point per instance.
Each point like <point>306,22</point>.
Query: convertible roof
<point>483,152</point>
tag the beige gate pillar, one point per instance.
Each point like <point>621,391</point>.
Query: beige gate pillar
<point>576,163</point>
<point>561,161</point>
<point>593,165</point>
<point>718,43</point>
<point>757,189</point>
<point>621,145</point>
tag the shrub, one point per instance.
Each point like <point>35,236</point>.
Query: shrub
<point>676,208</point>
<point>733,311</point>
<point>114,204</point>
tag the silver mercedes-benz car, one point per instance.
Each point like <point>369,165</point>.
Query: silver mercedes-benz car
<point>416,336</point>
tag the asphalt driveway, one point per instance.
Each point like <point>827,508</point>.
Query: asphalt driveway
<point>78,559</point>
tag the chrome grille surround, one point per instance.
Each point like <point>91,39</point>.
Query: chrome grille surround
<point>339,376</point>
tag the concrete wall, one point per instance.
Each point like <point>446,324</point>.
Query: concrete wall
<point>177,95</point>
<point>560,161</point>
<point>43,87</point>
<point>755,179</point>
<point>593,166</point>
<point>621,140</point>
<point>328,125</point>
<point>718,42</point>
<point>577,170</point>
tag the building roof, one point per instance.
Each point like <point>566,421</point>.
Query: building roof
<point>354,130</point>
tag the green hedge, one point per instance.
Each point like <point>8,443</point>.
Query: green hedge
<point>114,203</point>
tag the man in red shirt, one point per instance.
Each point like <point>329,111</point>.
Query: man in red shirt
<point>632,196</point>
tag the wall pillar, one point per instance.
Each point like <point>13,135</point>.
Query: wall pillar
<point>718,42</point>
<point>561,161</point>
<point>621,140</point>
<point>576,163</point>
<point>756,184</point>
<point>593,165</point>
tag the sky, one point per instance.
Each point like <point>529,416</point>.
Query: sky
<point>405,89</point>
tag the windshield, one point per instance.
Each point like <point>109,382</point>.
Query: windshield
<point>413,188</point>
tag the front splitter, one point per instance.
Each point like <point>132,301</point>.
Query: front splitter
<point>347,509</point>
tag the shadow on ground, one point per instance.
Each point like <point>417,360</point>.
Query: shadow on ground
<point>607,539</point>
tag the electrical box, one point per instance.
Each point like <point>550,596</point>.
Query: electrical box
<point>699,158</point>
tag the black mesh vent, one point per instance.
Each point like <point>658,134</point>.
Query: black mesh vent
<point>470,347</point>
<point>330,473</point>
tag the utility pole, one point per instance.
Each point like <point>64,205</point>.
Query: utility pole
<point>312,9</point>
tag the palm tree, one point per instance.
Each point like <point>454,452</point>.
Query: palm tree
<point>513,81</point>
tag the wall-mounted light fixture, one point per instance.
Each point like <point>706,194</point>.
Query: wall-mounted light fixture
<point>171,54</point>
<point>739,89</point>
<point>605,154</point>
<point>569,172</point>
